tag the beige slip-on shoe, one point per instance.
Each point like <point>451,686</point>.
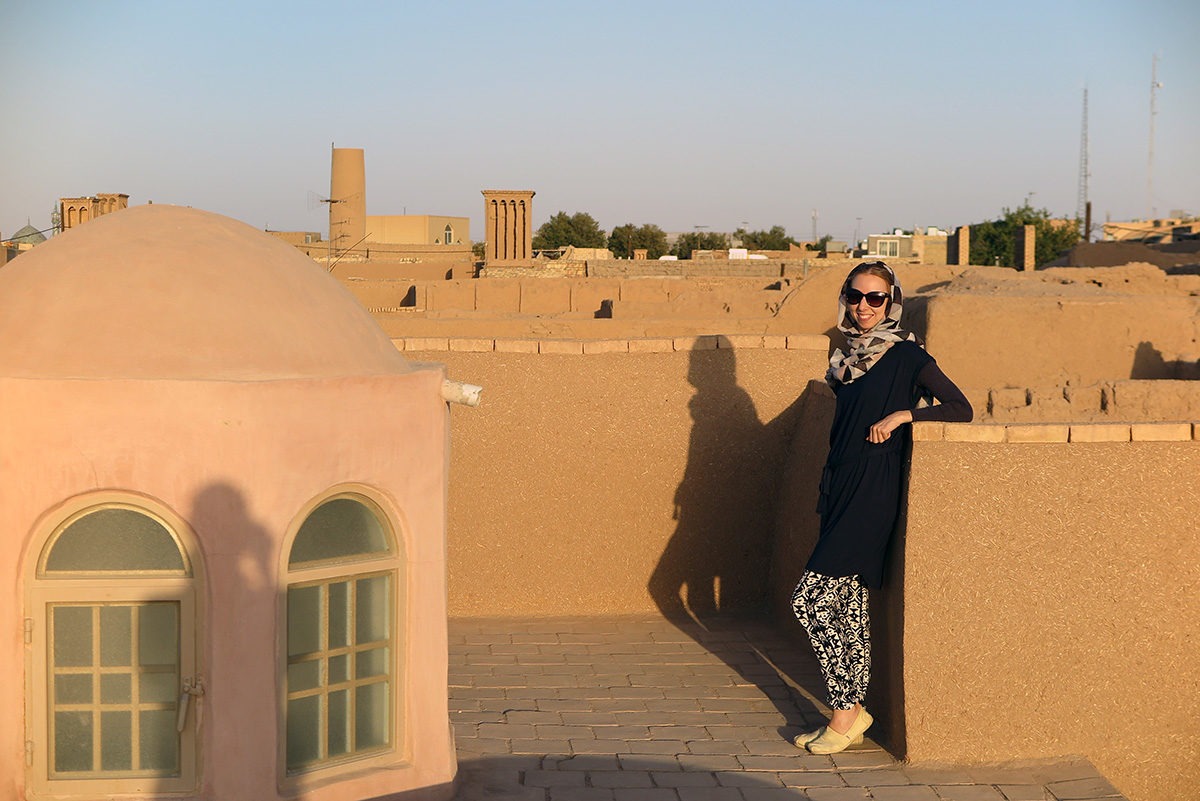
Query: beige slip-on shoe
<point>830,742</point>
<point>802,740</point>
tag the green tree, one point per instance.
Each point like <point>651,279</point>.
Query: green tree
<point>579,229</point>
<point>627,238</point>
<point>993,242</point>
<point>821,244</point>
<point>699,240</point>
<point>775,239</point>
<point>478,248</point>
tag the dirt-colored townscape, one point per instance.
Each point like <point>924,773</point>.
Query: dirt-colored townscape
<point>269,411</point>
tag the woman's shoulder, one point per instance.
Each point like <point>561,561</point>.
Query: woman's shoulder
<point>910,350</point>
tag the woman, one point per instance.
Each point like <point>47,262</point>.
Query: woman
<point>879,380</point>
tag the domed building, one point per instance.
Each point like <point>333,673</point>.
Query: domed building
<point>223,533</point>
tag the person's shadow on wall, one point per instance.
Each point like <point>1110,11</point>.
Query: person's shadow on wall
<point>715,560</point>
<point>243,589</point>
<point>716,567</point>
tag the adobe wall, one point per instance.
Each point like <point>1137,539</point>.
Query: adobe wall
<point>1132,400</point>
<point>624,307</point>
<point>1043,572</point>
<point>999,328</point>
<point>1051,584</point>
<point>617,476</point>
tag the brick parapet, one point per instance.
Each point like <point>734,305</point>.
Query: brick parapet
<point>1061,433</point>
<point>618,345</point>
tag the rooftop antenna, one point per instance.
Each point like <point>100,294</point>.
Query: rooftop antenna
<point>1081,208</point>
<point>1155,85</point>
<point>329,262</point>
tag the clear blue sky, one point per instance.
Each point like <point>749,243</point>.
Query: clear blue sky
<point>681,114</point>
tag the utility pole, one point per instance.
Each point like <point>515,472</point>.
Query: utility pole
<point>1082,212</point>
<point>814,222</point>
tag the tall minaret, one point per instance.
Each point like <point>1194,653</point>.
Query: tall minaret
<point>347,199</point>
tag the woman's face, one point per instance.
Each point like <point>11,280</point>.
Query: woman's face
<point>866,316</point>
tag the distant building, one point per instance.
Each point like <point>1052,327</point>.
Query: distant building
<point>24,239</point>
<point>926,246</point>
<point>74,211</point>
<point>1158,231</point>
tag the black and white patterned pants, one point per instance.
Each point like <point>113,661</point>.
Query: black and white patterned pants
<point>833,610</point>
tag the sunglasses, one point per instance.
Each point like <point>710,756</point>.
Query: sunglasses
<point>874,299</point>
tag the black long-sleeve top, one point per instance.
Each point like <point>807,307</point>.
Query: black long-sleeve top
<point>860,486</point>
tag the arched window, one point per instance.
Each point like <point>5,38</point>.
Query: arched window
<point>112,624</point>
<point>342,587</point>
<point>448,235</point>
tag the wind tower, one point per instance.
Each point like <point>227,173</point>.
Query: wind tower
<point>347,199</point>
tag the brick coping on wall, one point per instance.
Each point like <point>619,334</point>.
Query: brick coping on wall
<point>632,345</point>
<point>1056,432</point>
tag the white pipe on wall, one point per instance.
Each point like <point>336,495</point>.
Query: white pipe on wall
<point>458,392</point>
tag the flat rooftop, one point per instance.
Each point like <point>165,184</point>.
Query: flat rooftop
<point>642,709</point>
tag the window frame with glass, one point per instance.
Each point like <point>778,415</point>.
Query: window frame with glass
<point>340,629</point>
<point>132,649</point>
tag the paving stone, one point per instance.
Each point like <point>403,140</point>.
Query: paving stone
<point>539,746</point>
<point>731,747</point>
<point>813,778</point>
<point>684,778</point>
<point>1024,792</point>
<point>593,746</point>
<point>776,746</point>
<point>562,732</point>
<point>621,778</point>
<point>580,794</point>
<point>588,762</point>
<point>773,793</point>
<point>746,778</point>
<point>709,762</point>
<point>490,792</point>
<point>478,745</point>
<point>555,778</point>
<point>908,792</point>
<point>621,732</point>
<point>967,792</point>
<point>874,778</point>
<point>709,794</point>
<point>645,794</point>
<point>680,732</point>
<point>919,774</point>
<point>780,763</point>
<point>1079,789</point>
<point>869,757</point>
<point>837,793</point>
<point>665,747</point>
<point>647,762</point>
<point>507,731</point>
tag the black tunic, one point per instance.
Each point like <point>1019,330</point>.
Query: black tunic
<point>860,486</point>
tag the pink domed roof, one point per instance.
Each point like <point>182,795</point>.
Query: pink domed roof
<point>170,292</point>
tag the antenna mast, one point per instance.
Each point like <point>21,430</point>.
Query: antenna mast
<point>1081,208</point>
<point>1155,85</point>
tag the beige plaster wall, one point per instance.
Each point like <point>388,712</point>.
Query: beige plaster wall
<point>1050,594</point>
<point>617,477</point>
<point>416,229</point>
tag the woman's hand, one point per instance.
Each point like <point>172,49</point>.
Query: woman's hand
<point>882,431</point>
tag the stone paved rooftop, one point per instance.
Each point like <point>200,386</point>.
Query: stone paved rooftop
<point>596,709</point>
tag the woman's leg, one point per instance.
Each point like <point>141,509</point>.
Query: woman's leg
<point>834,611</point>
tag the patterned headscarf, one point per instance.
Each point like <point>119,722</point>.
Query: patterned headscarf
<point>865,348</point>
